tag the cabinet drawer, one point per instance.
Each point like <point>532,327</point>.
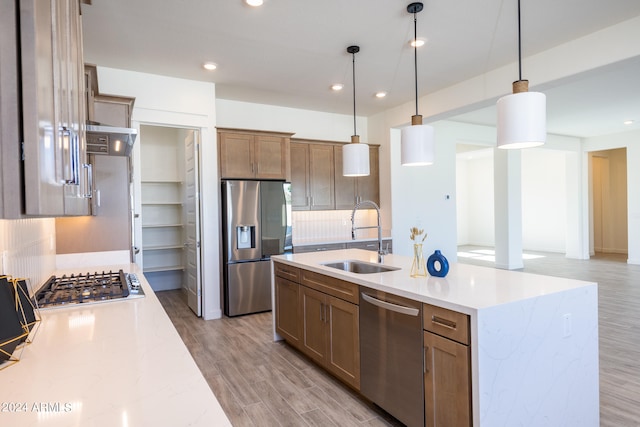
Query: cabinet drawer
<point>287,271</point>
<point>447,323</point>
<point>329,285</point>
<point>318,248</point>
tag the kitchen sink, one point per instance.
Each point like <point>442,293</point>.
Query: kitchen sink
<point>359,267</point>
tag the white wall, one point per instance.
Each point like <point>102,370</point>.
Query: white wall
<point>474,183</point>
<point>168,101</point>
<point>305,123</point>
<point>424,197</point>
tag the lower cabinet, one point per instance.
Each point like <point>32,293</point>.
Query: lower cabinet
<point>447,358</point>
<point>330,334</point>
<point>319,316</point>
<point>287,310</point>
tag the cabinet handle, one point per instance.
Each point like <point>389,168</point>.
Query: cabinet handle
<point>89,182</point>
<point>322,312</point>
<point>443,322</point>
<point>425,362</point>
<point>326,313</point>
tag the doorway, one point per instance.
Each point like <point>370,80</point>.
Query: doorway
<point>170,210</point>
<point>609,202</point>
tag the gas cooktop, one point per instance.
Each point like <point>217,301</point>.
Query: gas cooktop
<point>88,288</point>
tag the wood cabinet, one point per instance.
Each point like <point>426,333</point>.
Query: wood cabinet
<point>319,315</point>
<point>447,372</point>
<point>351,190</point>
<point>42,102</point>
<point>371,245</point>
<point>312,182</point>
<point>330,334</point>
<point>317,182</point>
<point>318,248</point>
<point>287,309</point>
<point>246,154</point>
<point>106,109</point>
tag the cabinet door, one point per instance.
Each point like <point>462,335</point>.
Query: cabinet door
<point>368,187</point>
<point>300,199</point>
<point>236,155</point>
<point>343,353</point>
<point>321,179</point>
<point>447,382</point>
<point>287,310</point>
<point>345,185</point>
<point>270,157</point>
<point>314,313</point>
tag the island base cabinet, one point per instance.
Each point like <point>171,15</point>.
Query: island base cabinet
<point>447,382</point>
<point>330,334</point>
<point>287,310</point>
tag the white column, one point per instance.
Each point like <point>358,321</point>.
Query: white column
<point>507,186</point>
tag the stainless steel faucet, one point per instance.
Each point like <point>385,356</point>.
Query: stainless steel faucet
<point>360,204</point>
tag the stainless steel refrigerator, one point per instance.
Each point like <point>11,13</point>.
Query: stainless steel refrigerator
<point>256,224</point>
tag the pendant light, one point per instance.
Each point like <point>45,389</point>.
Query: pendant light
<point>416,141</point>
<point>521,115</point>
<point>355,156</point>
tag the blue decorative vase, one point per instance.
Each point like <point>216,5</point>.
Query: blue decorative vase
<point>437,264</point>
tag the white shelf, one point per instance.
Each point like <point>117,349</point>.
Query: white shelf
<point>162,248</point>
<point>161,225</point>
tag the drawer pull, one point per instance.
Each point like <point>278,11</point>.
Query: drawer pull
<point>443,322</point>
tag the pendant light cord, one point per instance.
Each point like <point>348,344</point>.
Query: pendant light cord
<point>519,45</point>
<point>354,93</point>
<point>415,55</point>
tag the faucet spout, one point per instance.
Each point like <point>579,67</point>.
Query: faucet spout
<point>372,204</point>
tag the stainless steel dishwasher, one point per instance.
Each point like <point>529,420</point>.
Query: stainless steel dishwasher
<point>391,363</point>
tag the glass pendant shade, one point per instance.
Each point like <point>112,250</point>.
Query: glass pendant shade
<point>522,120</point>
<point>417,145</point>
<point>355,159</point>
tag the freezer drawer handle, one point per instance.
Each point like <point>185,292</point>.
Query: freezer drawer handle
<point>389,306</point>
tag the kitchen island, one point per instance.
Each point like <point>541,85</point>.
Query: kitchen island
<point>533,339</point>
<point>118,363</point>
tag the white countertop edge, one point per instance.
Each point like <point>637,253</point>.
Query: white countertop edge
<point>457,291</point>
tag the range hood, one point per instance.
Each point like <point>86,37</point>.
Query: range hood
<point>110,140</point>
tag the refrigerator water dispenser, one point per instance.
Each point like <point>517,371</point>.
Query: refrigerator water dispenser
<point>246,236</point>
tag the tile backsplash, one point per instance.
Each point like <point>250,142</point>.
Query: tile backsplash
<point>28,249</point>
<point>309,226</point>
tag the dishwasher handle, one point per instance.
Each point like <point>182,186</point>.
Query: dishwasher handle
<point>389,306</point>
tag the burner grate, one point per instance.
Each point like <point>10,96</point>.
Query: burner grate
<point>83,288</point>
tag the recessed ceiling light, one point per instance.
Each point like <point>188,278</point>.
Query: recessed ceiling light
<point>628,122</point>
<point>209,66</point>
<point>254,3</point>
<point>381,94</point>
<point>337,86</point>
<point>417,43</point>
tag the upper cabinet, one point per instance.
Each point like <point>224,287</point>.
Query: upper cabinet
<point>46,65</point>
<point>317,182</point>
<point>245,154</point>
<point>106,109</point>
<point>351,190</point>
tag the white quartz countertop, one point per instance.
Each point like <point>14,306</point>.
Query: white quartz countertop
<point>466,288</point>
<point>110,364</point>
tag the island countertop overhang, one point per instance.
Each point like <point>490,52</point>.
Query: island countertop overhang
<point>466,288</point>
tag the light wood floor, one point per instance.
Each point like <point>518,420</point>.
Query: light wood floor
<point>262,383</point>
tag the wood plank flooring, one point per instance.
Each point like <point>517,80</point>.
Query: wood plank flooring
<point>259,382</point>
<point>262,383</point>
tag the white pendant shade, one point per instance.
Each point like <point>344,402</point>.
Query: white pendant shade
<point>355,159</point>
<point>417,146</point>
<point>522,121</point>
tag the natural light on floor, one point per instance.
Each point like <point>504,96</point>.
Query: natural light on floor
<point>489,255</point>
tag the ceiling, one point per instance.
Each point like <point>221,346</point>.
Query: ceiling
<point>288,53</point>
